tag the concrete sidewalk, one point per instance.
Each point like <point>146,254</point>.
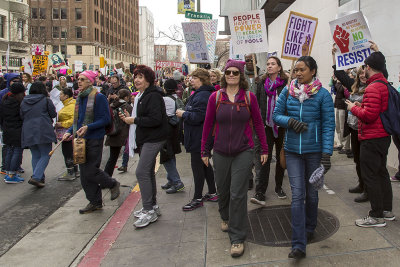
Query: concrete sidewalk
<point>194,238</point>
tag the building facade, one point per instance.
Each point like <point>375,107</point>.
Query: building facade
<point>82,30</point>
<point>14,20</point>
<point>146,36</point>
<point>168,53</point>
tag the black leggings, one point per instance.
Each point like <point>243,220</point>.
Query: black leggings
<point>200,173</point>
<point>67,151</point>
<point>355,147</point>
<point>112,160</point>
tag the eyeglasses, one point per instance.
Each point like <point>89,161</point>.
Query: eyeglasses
<point>82,79</point>
<point>234,72</point>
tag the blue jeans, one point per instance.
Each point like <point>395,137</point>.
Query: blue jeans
<point>40,159</point>
<point>125,159</point>
<point>304,197</point>
<point>172,173</point>
<point>12,160</point>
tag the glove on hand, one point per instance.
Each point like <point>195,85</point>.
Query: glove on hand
<point>298,126</point>
<point>326,162</point>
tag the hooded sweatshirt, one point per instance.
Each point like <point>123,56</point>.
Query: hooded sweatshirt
<point>9,77</point>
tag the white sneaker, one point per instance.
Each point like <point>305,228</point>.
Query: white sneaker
<point>138,213</point>
<point>371,222</point>
<point>388,215</point>
<point>146,218</point>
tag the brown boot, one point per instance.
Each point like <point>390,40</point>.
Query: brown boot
<point>237,250</point>
<point>224,226</point>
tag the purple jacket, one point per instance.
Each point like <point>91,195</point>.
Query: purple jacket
<point>233,132</point>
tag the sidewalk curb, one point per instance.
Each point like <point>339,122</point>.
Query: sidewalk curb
<point>110,233</point>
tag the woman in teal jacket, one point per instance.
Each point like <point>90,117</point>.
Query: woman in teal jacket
<point>306,110</point>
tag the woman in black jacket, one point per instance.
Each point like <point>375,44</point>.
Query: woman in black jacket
<point>268,91</point>
<point>11,122</point>
<point>193,119</point>
<point>151,133</point>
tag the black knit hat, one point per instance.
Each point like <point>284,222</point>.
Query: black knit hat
<point>17,88</point>
<point>376,61</point>
<point>170,85</point>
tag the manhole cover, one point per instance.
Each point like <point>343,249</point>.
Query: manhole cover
<point>270,226</point>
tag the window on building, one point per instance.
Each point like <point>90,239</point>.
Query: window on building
<point>56,13</point>
<point>96,51</point>
<point>78,32</point>
<point>42,31</point>
<point>42,13</point>
<point>63,49</point>
<point>79,50</point>
<point>78,13</point>
<point>56,32</point>
<point>64,13</point>
<point>64,33</point>
<point>56,49</point>
<point>2,26</point>
<point>35,32</point>
<point>34,13</point>
<point>342,2</point>
<point>21,29</point>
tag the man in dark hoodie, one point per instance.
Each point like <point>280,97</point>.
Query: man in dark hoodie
<point>10,78</point>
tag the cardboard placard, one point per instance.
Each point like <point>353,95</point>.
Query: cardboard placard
<point>57,61</point>
<point>40,63</point>
<point>299,36</point>
<point>351,35</point>
<point>195,42</point>
<point>248,32</point>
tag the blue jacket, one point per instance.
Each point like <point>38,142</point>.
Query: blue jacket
<point>37,112</point>
<point>9,77</point>
<point>102,117</point>
<point>317,112</point>
<point>194,116</point>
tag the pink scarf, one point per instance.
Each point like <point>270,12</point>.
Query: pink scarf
<point>270,90</point>
<point>303,91</point>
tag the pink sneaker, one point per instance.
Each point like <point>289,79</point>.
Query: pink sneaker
<point>210,197</point>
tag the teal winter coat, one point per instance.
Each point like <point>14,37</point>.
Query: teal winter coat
<point>317,112</point>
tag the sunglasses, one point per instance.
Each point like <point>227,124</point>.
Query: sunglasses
<point>249,60</point>
<point>82,79</point>
<point>234,72</point>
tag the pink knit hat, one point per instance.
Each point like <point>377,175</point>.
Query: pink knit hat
<point>91,75</point>
<point>235,63</point>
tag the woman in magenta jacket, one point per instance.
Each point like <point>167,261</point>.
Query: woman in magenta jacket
<point>232,112</point>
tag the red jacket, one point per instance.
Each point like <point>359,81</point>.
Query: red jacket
<point>375,101</point>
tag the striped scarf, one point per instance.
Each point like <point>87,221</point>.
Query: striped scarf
<point>270,90</point>
<point>89,114</point>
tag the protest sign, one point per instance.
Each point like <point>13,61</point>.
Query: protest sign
<point>119,65</point>
<point>55,98</point>
<point>299,36</point>
<point>78,66</point>
<point>195,42</point>
<point>39,64</point>
<point>57,61</point>
<point>232,54</point>
<point>37,49</point>
<point>249,34</point>
<point>185,5</point>
<point>210,28</point>
<point>28,65</point>
<point>351,35</point>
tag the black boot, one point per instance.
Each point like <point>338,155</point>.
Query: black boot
<point>362,198</point>
<point>357,189</point>
<point>251,184</point>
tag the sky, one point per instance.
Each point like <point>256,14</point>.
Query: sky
<point>165,13</point>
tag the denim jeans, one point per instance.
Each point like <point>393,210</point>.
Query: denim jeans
<point>304,197</point>
<point>125,159</point>
<point>40,159</point>
<point>172,173</point>
<point>12,159</point>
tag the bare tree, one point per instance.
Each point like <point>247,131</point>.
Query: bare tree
<point>175,34</point>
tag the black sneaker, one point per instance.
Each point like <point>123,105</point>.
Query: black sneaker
<point>194,204</point>
<point>337,148</point>
<point>344,151</point>
<point>297,254</point>
<point>350,155</point>
<point>90,208</point>
<point>123,169</point>
<point>281,194</point>
<point>166,186</point>
<point>115,190</point>
<point>211,197</point>
<point>259,198</point>
<point>251,184</point>
<point>175,188</point>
